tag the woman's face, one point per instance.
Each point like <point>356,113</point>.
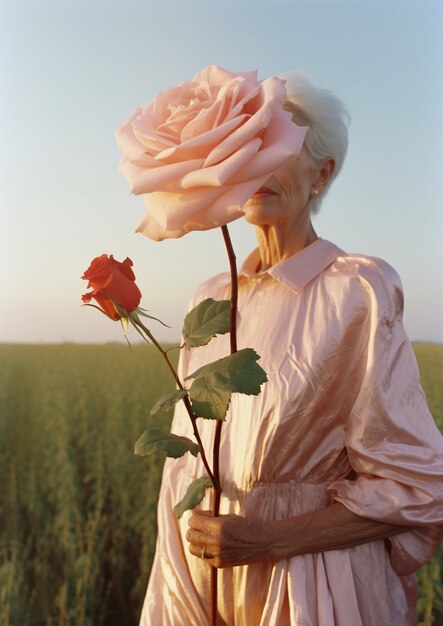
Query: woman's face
<point>284,197</point>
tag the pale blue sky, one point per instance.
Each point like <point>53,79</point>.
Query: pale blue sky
<point>71,73</point>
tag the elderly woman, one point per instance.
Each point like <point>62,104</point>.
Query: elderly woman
<point>333,476</point>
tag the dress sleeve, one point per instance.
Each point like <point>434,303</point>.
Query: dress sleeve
<point>393,444</point>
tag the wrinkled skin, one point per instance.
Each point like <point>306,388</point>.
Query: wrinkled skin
<point>230,540</point>
<point>227,540</point>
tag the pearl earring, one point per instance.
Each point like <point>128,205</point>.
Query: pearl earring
<point>315,192</point>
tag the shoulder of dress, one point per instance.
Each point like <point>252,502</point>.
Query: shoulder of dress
<point>376,279</point>
<point>211,288</point>
<point>369,267</point>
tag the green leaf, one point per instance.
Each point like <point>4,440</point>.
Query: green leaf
<point>120,310</point>
<point>205,321</point>
<point>144,313</point>
<point>156,439</point>
<point>94,306</point>
<point>166,403</point>
<point>193,496</point>
<point>215,383</point>
<point>209,399</point>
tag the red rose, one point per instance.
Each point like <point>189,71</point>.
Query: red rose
<point>112,283</point>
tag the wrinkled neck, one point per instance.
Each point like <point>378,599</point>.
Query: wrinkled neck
<point>277,244</point>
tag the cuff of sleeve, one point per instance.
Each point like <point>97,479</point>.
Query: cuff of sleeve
<point>387,500</point>
<point>391,502</point>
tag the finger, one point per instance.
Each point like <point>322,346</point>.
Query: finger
<point>196,514</point>
<point>202,522</point>
<point>194,536</point>
<point>199,539</point>
<point>200,551</point>
<point>196,550</point>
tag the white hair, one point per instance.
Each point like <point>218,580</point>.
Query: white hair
<point>326,117</point>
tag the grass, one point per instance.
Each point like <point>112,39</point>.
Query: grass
<point>77,508</point>
<point>430,605</point>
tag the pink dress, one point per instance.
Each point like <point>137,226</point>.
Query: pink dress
<point>341,418</point>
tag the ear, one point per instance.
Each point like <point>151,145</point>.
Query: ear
<point>324,174</point>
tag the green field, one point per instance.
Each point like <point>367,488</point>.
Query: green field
<point>77,508</point>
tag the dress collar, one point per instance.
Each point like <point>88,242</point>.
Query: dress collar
<point>298,270</point>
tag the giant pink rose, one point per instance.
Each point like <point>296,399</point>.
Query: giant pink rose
<point>201,149</point>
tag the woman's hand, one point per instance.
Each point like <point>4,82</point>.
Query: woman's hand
<point>227,540</point>
<point>231,540</point>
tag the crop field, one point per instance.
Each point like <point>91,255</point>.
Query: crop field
<point>77,508</point>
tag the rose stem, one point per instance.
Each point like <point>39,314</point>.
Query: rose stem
<point>216,489</point>
<point>136,323</point>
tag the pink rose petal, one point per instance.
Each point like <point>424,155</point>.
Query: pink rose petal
<point>202,148</point>
<point>202,142</point>
<point>172,209</point>
<point>218,175</point>
<point>229,204</point>
<point>250,129</point>
<point>153,179</point>
<point>283,144</point>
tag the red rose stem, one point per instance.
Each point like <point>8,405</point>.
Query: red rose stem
<point>150,338</point>
<point>216,490</point>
